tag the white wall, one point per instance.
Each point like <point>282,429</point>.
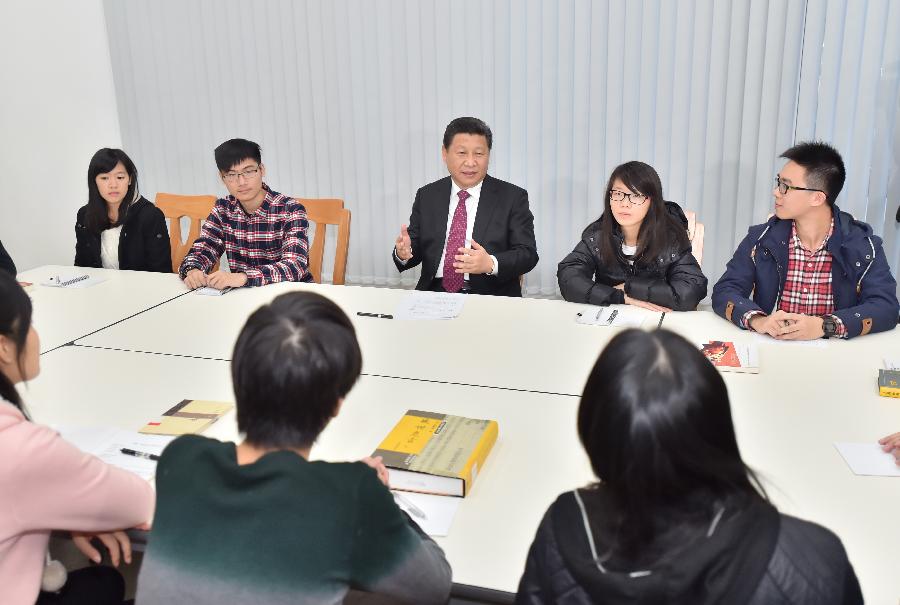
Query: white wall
<point>58,106</point>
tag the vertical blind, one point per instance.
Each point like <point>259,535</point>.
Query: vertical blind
<point>349,99</point>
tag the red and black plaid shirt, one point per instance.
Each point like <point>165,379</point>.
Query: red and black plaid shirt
<point>268,246</point>
<point>807,287</point>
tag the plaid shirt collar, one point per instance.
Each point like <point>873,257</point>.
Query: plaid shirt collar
<point>795,239</point>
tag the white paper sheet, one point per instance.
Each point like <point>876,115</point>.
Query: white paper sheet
<point>892,363</point>
<point>434,514</point>
<point>868,459</point>
<point>106,443</point>
<point>430,305</point>
<point>616,316</point>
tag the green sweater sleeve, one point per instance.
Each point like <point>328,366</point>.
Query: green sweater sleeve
<point>391,555</point>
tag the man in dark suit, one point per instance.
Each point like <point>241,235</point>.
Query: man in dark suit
<point>470,231</point>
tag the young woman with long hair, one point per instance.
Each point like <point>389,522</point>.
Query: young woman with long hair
<point>48,484</point>
<point>637,252</point>
<point>676,516</point>
<point>118,228</point>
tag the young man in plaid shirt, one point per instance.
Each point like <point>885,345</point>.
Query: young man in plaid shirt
<point>262,232</point>
<point>812,271</point>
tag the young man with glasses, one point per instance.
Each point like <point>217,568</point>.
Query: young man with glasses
<point>811,271</point>
<point>262,232</point>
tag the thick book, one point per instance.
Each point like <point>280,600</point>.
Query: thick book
<point>889,383</point>
<point>437,453</point>
<point>187,417</point>
<point>728,356</point>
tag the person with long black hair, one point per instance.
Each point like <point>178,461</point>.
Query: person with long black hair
<point>48,484</point>
<point>676,517</point>
<point>637,252</point>
<point>118,228</point>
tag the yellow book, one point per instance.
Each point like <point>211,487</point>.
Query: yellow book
<point>187,417</point>
<point>889,383</point>
<point>437,453</point>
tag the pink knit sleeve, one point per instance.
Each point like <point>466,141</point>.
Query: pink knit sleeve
<point>57,486</point>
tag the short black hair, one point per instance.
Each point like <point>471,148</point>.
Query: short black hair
<point>823,164</point>
<point>234,151</point>
<point>293,360</point>
<point>467,126</point>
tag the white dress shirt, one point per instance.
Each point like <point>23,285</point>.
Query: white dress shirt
<point>471,211</point>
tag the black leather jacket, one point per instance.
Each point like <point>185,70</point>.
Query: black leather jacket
<point>672,280</point>
<point>143,245</point>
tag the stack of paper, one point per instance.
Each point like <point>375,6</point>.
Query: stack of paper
<point>430,305</point>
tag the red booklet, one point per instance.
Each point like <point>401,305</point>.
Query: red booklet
<point>731,357</point>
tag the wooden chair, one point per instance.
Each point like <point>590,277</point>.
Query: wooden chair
<point>175,207</point>
<point>695,234</point>
<point>325,212</point>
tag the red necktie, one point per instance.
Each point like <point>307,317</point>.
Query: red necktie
<point>456,238</point>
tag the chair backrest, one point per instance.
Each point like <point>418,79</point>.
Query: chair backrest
<point>175,207</point>
<point>695,234</point>
<point>325,212</point>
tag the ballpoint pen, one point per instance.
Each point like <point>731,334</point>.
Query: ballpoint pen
<point>137,454</point>
<point>378,315</point>
<point>415,510</point>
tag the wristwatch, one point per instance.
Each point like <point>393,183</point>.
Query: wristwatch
<point>829,326</point>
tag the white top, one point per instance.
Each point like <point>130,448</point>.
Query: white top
<point>471,211</point>
<point>109,247</point>
<point>629,251</point>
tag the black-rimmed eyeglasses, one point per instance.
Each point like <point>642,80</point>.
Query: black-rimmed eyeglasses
<point>783,187</point>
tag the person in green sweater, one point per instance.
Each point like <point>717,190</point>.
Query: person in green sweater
<point>259,522</point>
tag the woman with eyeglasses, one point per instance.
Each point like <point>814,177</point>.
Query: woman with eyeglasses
<point>637,252</point>
<point>676,516</point>
<point>119,228</point>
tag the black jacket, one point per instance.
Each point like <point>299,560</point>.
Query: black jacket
<point>753,556</point>
<point>673,280</point>
<point>6,263</point>
<point>143,245</point>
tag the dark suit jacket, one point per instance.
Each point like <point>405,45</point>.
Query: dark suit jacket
<point>504,226</point>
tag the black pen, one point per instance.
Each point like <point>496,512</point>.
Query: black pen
<point>138,454</point>
<point>378,315</point>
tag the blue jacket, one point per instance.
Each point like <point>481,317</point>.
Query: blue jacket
<point>865,293</point>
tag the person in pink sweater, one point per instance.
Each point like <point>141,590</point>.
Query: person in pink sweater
<point>48,484</point>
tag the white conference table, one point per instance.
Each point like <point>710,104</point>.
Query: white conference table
<point>63,314</point>
<point>536,457</point>
<point>804,399</point>
<point>786,417</point>
<point>521,344</point>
